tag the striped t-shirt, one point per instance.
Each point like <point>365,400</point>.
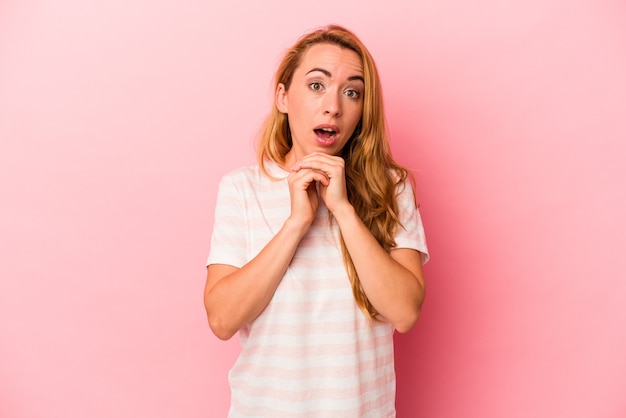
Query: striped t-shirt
<point>312,352</point>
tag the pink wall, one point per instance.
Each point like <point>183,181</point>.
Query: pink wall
<point>117,119</point>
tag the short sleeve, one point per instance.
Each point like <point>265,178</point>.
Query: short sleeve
<point>228,241</point>
<point>410,234</point>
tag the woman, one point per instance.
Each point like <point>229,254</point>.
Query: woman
<point>316,254</point>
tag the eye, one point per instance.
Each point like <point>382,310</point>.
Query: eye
<point>316,86</point>
<point>352,94</point>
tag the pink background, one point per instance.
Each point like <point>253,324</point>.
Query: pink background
<point>117,119</point>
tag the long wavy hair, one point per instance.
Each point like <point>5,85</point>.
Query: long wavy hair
<point>372,176</point>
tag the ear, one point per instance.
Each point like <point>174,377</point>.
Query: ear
<point>281,98</point>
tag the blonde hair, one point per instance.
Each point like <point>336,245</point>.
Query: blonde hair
<point>372,176</point>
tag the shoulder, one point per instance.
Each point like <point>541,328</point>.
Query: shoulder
<point>241,176</point>
<point>242,172</point>
<point>255,172</point>
<point>403,181</point>
<point>254,180</point>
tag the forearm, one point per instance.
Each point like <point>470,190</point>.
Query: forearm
<point>239,297</point>
<point>393,284</point>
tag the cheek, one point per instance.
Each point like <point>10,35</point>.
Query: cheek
<point>357,115</point>
<point>301,108</point>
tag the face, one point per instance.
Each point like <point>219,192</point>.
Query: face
<point>324,102</point>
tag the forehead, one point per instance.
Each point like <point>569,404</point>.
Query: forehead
<point>337,60</point>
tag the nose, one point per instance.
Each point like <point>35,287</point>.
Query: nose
<point>332,104</point>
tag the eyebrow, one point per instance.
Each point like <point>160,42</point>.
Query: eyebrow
<point>328,74</point>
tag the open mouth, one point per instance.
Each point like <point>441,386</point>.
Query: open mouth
<point>326,133</point>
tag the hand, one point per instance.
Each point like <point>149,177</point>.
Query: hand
<point>333,189</point>
<point>303,193</point>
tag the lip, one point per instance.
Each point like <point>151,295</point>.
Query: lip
<point>323,140</point>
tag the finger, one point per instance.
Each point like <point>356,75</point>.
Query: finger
<point>329,168</point>
<point>318,161</point>
<point>308,176</point>
<point>322,155</point>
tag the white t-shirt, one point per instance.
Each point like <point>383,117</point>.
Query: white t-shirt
<point>312,352</point>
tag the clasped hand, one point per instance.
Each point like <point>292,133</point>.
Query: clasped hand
<point>317,171</point>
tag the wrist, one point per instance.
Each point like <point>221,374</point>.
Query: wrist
<point>344,213</point>
<point>296,227</point>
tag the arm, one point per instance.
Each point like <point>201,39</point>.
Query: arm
<point>393,282</point>
<point>233,296</point>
